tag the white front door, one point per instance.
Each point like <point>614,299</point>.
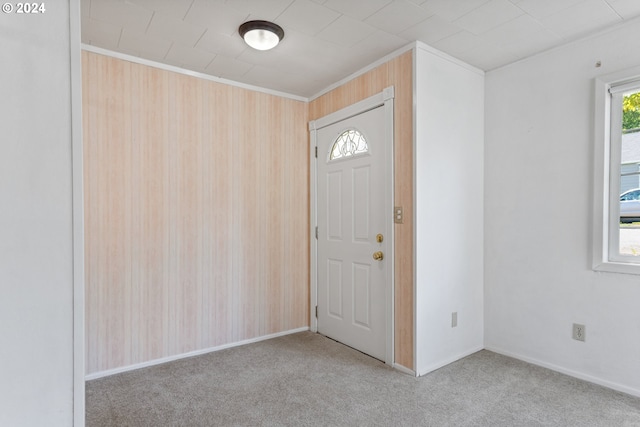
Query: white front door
<point>353,224</point>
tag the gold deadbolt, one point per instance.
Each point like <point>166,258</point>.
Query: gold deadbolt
<point>378,256</point>
<point>379,238</point>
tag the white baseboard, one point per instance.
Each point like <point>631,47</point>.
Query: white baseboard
<point>109,372</point>
<point>580,375</point>
<point>447,361</point>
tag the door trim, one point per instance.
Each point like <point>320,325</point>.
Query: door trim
<point>385,99</point>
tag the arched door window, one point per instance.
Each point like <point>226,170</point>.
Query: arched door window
<point>349,143</point>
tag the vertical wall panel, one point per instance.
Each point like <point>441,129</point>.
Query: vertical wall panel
<point>397,73</point>
<point>108,160</point>
<point>197,213</point>
<point>248,174</point>
<point>150,242</point>
<point>274,154</point>
<point>187,277</point>
<point>90,161</point>
<point>220,189</point>
<point>297,194</point>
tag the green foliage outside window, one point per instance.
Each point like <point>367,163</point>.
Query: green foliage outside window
<point>631,112</point>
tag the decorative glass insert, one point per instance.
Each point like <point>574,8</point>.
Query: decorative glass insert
<point>349,143</point>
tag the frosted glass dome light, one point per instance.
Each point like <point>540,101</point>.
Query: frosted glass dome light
<point>261,35</point>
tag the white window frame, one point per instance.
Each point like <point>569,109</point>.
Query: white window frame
<point>609,91</point>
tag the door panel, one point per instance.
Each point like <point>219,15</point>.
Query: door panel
<point>361,205</point>
<point>334,206</point>
<point>334,288</point>
<point>362,295</point>
<point>351,204</point>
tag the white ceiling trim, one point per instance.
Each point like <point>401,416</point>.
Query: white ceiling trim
<point>166,67</point>
<point>446,56</point>
<point>392,55</point>
<point>364,70</point>
<point>373,65</point>
<point>576,40</point>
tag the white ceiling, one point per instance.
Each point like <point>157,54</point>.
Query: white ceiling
<point>327,40</point>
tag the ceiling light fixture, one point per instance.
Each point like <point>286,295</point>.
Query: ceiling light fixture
<point>261,35</point>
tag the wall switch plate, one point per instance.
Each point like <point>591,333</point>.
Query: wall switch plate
<point>579,332</point>
<point>454,319</point>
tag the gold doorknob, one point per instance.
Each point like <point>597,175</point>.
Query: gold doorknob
<point>378,256</point>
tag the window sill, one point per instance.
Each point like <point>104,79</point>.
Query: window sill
<point>618,267</point>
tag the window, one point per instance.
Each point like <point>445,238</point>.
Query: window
<point>617,177</point>
<point>348,143</point>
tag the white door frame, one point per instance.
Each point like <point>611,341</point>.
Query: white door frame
<point>384,98</point>
<point>77,162</point>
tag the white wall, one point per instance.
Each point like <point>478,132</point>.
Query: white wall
<point>36,238</point>
<point>538,202</point>
<point>449,172</point>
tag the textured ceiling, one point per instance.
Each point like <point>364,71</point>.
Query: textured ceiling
<point>327,40</point>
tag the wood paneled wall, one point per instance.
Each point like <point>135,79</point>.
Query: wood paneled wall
<point>398,73</point>
<point>196,213</point>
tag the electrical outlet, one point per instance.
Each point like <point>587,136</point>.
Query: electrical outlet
<point>454,319</point>
<point>579,332</point>
<point>398,215</point>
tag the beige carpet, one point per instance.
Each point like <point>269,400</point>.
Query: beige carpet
<point>308,380</point>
